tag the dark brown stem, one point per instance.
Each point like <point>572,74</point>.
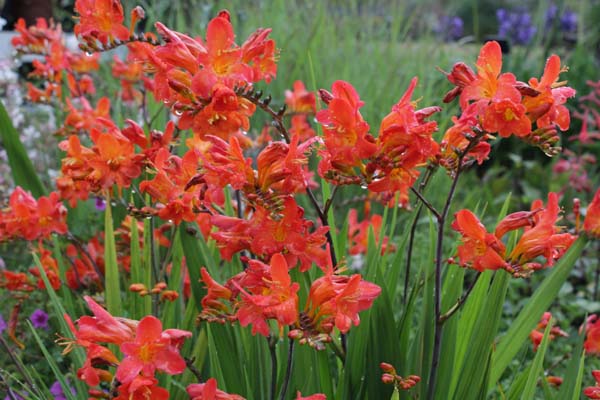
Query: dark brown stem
<point>426,203</point>
<point>255,97</point>
<point>325,222</point>
<point>413,228</point>
<point>288,371</point>
<point>437,340</point>
<point>460,301</point>
<point>272,350</point>
<point>189,362</point>
<point>411,241</point>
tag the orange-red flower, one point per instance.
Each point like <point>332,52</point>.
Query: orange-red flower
<point>208,391</point>
<point>142,388</point>
<point>358,233</point>
<point>30,219</point>
<point>336,300</point>
<point>506,117</point>
<point>543,239</point>
<point>479,250</point>
<point>299,100</point>
<point>593,392</point>
<point>101,20</point>
<point>275,298</point>
<point>591,223</point>
<point>592,339</point>
<point>546,108</point>
<point>404,144</point>
<point>537,334</point>
<point>150,350</point>
<point>346,136</point>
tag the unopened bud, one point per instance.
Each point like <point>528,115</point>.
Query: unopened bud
<point>388,379</point>
<point>325,95</point>
<point>169,295</point>
<point>387,367</point>
<point>137,287</point>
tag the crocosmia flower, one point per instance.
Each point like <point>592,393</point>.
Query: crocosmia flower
<point>593,392</point>
<point>479,249</point>
<point>151,350</point>
<point>591,224</point>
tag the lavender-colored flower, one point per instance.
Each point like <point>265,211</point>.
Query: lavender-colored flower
<point>39,319</point>
<point>57,391</point>
<point>100,204</point>
<point>3,325</point>
<point>515,25</point>
<point>568,21</point>
<point>450,28</point>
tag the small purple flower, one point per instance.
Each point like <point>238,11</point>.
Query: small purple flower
<point>39,319</point>
<point>515,25</point>
<point>100,204</point>
<point>57,391</point>
<point>3,325</point>
<point>450,28</point>
<point>568,21</point>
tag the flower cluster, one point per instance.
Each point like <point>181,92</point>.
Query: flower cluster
<point>515,25</point>
<point>537,334</point>
<point>146,349</point>
<point>387,165</point>
<point>497,103</point>
<point>541,237</point>
<point>59,66</point>
<point>391,377</point>
<point>266,292</point>
<point>31,219</point>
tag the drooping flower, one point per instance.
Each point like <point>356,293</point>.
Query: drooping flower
<point>479,250</point>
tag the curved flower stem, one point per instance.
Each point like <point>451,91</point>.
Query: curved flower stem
<point>426,203</point>
<point>189,362</point>
<point>288,371</point>
<point>460,301</point>
<point>272,344</point>
<point>441,220</point>
<point>411,241</point>
<point>324,221</point>
<point>413,228</point>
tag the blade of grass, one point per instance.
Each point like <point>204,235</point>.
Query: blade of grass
<point>21,167</point>
<point>537,366</point>
<point>112,285</point>
<point>544,295</point>
<point>571,386</point>
<point>53,366</point>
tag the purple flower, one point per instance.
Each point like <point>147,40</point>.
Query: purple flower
<point>3,325</point>
<point>515,25</point>
<point>100,204</point>
<point>39,319</point>
<point>568,21</point>
<point>450,28</point>
<point>57,391</point>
